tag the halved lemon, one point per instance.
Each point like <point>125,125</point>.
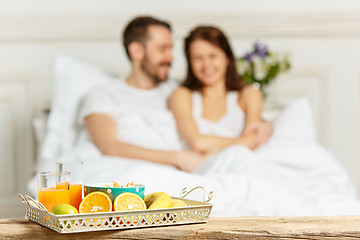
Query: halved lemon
<point>128,202</point>
<point>95,202</point>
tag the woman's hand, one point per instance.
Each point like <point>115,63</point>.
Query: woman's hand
<point>188,161</point>
<point>262,130</point>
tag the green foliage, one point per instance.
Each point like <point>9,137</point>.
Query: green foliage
<point>260,66</point>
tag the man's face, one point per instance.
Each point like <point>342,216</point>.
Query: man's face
<point>158,53</point>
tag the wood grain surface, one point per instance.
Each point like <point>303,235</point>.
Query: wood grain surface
<point>337,227</point>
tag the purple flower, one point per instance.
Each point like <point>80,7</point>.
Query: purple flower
<point>248,56</point>
<point>260,49</point>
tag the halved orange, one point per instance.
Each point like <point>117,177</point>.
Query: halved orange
<point>95,202</point>
<point>128,202</point>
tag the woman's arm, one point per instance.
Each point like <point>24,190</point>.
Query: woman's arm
<point>181,106</point>
<point>103,132</point>
<point>252,102</point>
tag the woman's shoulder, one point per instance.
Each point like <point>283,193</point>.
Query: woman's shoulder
<point>247,96</point>
<point>249,91</point>
<point>180,96</point>
<point>182,92</point>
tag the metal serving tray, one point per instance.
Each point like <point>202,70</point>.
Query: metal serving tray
<point>194,212</point>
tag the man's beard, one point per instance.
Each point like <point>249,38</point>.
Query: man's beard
<point>150,70</point>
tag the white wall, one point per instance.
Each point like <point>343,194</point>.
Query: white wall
<point>323,38</point>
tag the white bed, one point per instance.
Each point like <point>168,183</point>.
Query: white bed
<point>323,42</point>
<point>291,175</point>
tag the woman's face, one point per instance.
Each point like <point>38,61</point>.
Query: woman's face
<point>208,62</point>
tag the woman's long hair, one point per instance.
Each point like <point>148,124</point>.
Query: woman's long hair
<point>216,37</point>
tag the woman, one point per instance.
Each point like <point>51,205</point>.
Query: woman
<point>215,108</point>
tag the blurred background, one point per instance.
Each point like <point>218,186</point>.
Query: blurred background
<point>322,38</point>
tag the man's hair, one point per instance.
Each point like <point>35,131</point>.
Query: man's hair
<point>137,30</point>
<point>216,37</point>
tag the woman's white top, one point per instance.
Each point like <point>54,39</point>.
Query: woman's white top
<point>229,125</point>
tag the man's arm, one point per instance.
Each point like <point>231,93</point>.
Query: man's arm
<point>103,132</point>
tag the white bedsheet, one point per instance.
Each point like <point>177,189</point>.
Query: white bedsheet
<point>281,178</point>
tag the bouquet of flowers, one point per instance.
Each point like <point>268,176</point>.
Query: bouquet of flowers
<point>260,66</point>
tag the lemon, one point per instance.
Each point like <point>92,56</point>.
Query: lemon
<point>177,203</point>
<point>158,200</point>
<point>63,209</point>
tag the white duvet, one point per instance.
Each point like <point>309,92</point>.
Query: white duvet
<point>282,178</point>
<point>290,175</point>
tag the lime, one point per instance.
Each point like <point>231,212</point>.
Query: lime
<point>62,209</point>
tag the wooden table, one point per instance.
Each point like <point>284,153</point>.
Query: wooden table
<point>340,227</point>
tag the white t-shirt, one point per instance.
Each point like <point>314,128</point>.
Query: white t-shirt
<point>142,116</point>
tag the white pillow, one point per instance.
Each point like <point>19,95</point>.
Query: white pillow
<point>72,80</point>
<point>295,122</point>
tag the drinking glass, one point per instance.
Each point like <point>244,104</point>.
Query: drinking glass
<point>76,180</point>
<point>53,188</point>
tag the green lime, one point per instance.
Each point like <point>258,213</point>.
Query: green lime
<point>62,209</point>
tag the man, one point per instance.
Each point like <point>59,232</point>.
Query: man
<point>119,124</point>
<point>148,43</point>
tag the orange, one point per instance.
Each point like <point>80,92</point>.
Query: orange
<point>95,202</point>
<point>129,201</point>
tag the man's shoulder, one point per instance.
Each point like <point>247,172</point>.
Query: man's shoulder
<point>105,90</point>
<point>109,85</point>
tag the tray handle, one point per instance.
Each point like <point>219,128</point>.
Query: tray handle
<point>38,204</point>
<point>185,192</point>
<point>23,199</point>
<point>31,202</point>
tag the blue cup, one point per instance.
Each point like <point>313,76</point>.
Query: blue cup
<point>113,192</point>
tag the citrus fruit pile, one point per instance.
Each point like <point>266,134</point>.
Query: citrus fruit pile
<point>101,202</point>
<point>96,202</point>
